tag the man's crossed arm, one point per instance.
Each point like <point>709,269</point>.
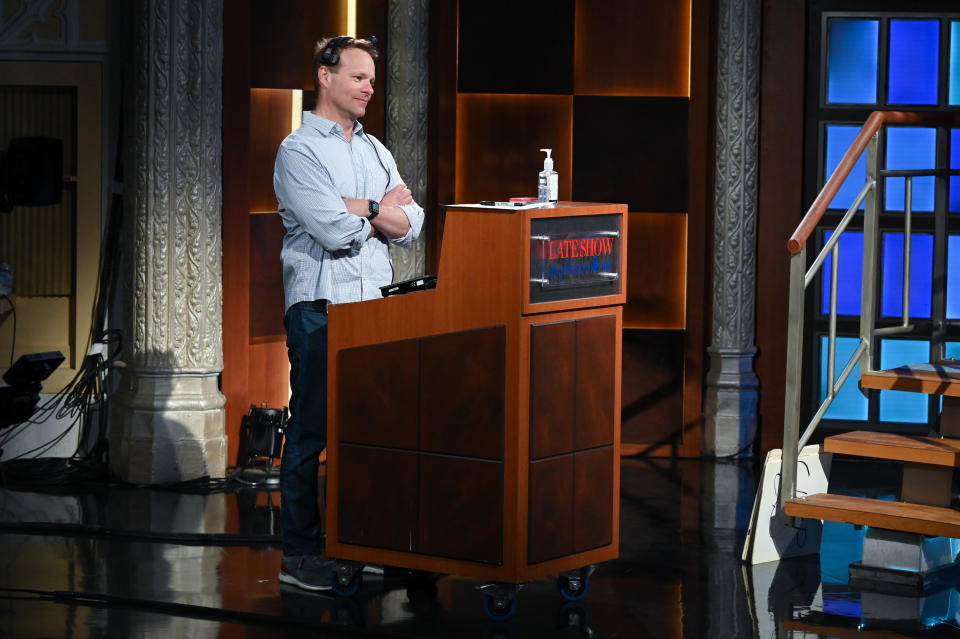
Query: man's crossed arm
<point>391,221</point>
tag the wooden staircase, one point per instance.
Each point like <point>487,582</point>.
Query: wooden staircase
<point>927,487</point>
<point>925,492</point>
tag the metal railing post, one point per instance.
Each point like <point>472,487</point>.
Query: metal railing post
<point>791,413</point>
<point>907,239</point>
<point>832,327</point>
<point>871,238</point>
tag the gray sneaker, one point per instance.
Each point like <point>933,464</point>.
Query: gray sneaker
<point>310,572</point>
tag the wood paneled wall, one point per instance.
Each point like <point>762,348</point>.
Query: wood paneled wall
<point>781,205</point>
<point>621,91</point>
<point>278,57</point>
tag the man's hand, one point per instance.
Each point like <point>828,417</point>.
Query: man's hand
<point>397,196</point>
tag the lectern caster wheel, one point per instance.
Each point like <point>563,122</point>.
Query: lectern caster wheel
<point>574,584</point>
<point>346,578</point>
<point>499,608</point>
<point>500,600</point>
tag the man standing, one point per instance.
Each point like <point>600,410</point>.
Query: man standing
<point>342,202</point>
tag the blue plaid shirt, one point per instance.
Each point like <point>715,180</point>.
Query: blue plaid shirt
<point>326,253</point>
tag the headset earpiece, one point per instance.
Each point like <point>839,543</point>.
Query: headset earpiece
<point>330,57</point>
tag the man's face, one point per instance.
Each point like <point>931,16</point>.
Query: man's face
<point>351,86</point>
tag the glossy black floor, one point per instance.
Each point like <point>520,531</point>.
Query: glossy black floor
<point>116,561</point>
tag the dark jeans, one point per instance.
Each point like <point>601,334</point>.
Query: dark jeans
<point>306,436</point>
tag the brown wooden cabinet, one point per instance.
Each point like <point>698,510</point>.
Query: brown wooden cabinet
<point>474,429</point>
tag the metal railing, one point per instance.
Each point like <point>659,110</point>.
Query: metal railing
<point>801,277</point>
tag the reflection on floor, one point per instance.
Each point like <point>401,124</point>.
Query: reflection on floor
<point>116,561</point>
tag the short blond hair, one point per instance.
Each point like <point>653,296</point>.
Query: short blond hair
<point>348,43</point>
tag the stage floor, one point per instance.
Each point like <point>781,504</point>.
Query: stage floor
<point>108,560</point>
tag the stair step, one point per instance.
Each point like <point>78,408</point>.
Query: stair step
<point>934,378</point>
<point>891,515</point>
<point>907,448</point>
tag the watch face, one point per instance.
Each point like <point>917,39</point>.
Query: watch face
<point>374,207</point>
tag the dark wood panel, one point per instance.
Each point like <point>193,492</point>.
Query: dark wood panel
<point>266,275</point>
<point>377,500</point>
<point>270,123</point>
<point>278,33</point>
<point>652,388</point>
<point>442,125</point>
<point>645,166</point>
<point>700,191</point>
<point>269,380</point>
<point>552,399</point>
<point>533,39</point>
<point>372,20</point>
<point>550,519</point>
<point>613,37</point>
<point>656,271</point>
<point>488,169</point>
<point>593,499</point>
<point>237,38</point>
<point>595,373</point>
<point>462,393</point>
<point>780,205</point>
<point>374,381</point>
<point>461,508</point>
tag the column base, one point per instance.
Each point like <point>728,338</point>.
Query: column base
<point>730,403</point>
<point>168,427</point>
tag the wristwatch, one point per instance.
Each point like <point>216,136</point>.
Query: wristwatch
<point>374,209</point>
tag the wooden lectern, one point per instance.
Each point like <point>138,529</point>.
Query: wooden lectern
<point>474,429</point>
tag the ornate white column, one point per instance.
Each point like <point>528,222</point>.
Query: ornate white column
<point>730,408</point>
<point>407,58</point>
<point>169,425</point>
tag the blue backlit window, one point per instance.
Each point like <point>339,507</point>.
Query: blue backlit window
<point>852,61</point>
<point>911,148</point>
<point>954,63</point>
<point>839,139</point>
<point>848,276</point>
<point>849,402</point>
<point>953,277</point>
<point>914,58</point>
<point>904,58</point>
<point>952,350</point>
<point>902,406</point>
<point>921,275</point>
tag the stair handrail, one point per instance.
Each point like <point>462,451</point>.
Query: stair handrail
<point>800,277</point>
<point>876,120</point>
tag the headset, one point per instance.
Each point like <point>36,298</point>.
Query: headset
<point>330,57</point>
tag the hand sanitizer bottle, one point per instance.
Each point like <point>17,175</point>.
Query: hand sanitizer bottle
<point>547,185</point>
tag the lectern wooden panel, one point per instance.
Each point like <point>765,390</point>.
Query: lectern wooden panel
<point>461,408</point>
<point>387,478</point>
<point>552,383</point>
<point>485,411</point>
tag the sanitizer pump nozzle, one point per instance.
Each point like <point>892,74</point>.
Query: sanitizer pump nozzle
<point>547,185</point>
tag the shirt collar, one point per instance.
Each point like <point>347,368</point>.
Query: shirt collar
<point>328,127</point>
